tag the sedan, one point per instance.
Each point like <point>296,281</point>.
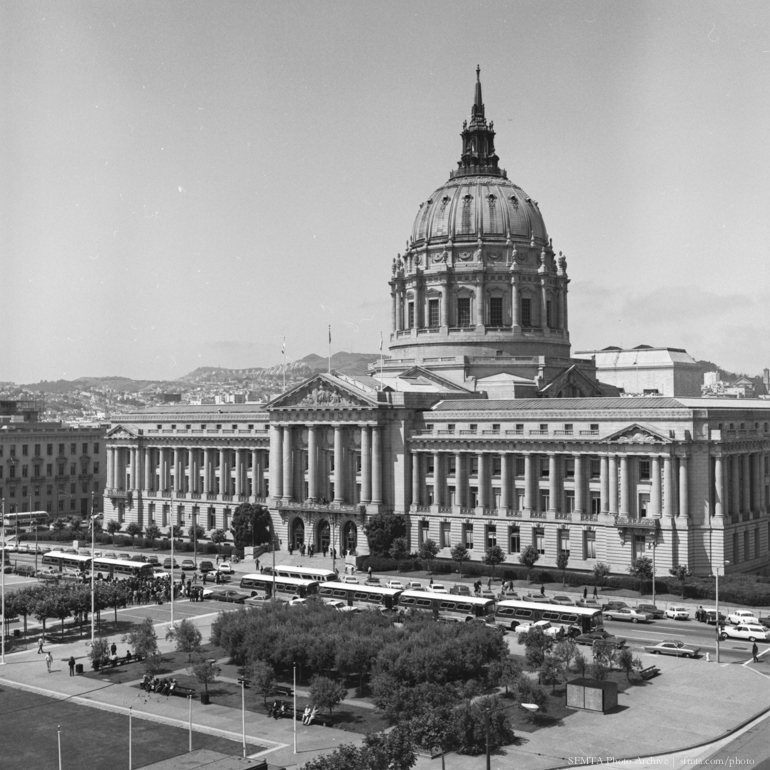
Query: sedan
<point>626,613</point>
<point>188,564</point>
<point>751,631</point>
<point>110,555</point>
<point>373,581</point>
<point>227,596</point>
<point>673,647</point>
<point>600,635</point>
<point>349,579</point>
<point>590,603</point>
<point>742,616</point>
<point>613,605</point>
<point>167,563</point>
<point>336,604</point>
<point>651,609</point>
<point>544,625</point>
<point>396,585</point>
<point>438,588</point>
<point>206,566</point>
<point>678,613</point>
<point>225,568</point>
<point>561,599</point>
<point>765,621</point>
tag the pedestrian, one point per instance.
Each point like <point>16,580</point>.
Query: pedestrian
<point>595,593</point>
<point>113,649</point>
<point>48,661</point>
<point>489,583</point>
<point>369,571</point>
<point>256,563</point>
<point>431,583</point>
<point>71,664</point>
<point>585,592</point>
<point>40,643</point>
<point>754,651</point>
<point>542,589</point>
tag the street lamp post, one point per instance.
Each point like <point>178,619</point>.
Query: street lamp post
<point>94,517</point>
<point>654,545</point>
<point>716,623</point>
<point>243,682</point>
<point>294,666</point>
<point>2,581</point>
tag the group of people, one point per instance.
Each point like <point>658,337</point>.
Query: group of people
<point>279,710</point>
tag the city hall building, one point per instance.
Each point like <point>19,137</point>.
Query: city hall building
<point>481,428</point>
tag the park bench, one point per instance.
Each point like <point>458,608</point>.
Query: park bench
<point>318,719</point>
<point>183,692</point>
<point>286,692</point>
<point>108,663</point>
<point>649,672</point>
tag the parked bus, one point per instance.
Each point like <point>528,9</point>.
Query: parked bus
<point>120,568</point>
<point>282,588</point>
<point>25,519</point>
<point>447,606</point>
<point>66,561</point>
<point>577,620</point>
<point>304,573</point>
<point>360,596</point>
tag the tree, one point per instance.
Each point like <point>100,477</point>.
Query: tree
<point>399,548</point>
<point>565,651</point>
<point>580,663</point>
<point>175,531</point>
<point>433,728</point>
<point>76,524</point>
<point>134,529</point>
<point>598,670</point>
<point>381,530</point>
<point>381,751</point>
<point>628,662</point>
<point>493,556</point>
<point>112,527</point>
<point>100,649</point>
<point>550,672</point>
<point>601,570</point>
<point>529,692</point>
<point>428,551</point>
<point>144,642</point>
<point>529,557</point>
<point>59,524</point>
<point>483,719</point>
<point>152,533</point>
<point>326,693</point>
<point>186,635</point>
<point>605,652</point>
<point>251,525</point>
<point>204,670</point>
<point>681,573</point>
<point>537,645</point>
<point>218,536</point>
<point>642,568</point>
<point>562,560</point>
<point>460,554</point>
<point>196,533</point>
<point>262,677</point>
<point>505,671</point>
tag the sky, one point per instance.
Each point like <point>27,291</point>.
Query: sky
<point>188,183</point>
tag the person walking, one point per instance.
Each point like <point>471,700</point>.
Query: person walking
<point>754,651</point>
<point>542,589</point>
<point>40,643</point>
<point>595,592</point>
<point>48,661</point>
<point>71,664</point>
<point>585,592</point>
<point>113,649</point>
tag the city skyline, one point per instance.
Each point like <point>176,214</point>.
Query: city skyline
<point>188,185</point>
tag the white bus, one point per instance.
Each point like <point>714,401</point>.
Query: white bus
<point>282,588</point>
<point>447,606</point>
<point>71,562</point>
<point>360,596</point>
<point>25,519</point>
<point>304,573</point>
<point>120,568</point>
<point>577,620</point>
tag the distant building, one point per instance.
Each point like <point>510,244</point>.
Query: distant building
<point>647,371</point>
<point>171,398</point>
<point>714,386</point>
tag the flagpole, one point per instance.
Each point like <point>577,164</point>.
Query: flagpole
<point>381,364</point>
<point>284,364</point>
<point>330,348</point>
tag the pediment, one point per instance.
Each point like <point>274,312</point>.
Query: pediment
<point>122,432</point>
<point>571,383</point>
<point>638,434</point>
<point>321,392</point>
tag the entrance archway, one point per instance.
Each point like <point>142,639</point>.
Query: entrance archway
<point>324,535</point>
<point>297,533</point>
<point>350,537</point>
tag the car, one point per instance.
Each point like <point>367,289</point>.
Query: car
<point>124,556</point>
<point>413,585</point>
<point>613,605</point>
<point>24,548</point>
<point>710,617</point>
<point>673,647</point>
<point>206,566</point>
<point>395,585</point>
<point>336,604</point>
<point>253,599</point>
<point>460,590</point>
<point>751,631</point>
<point>139,557</point>
<point>159,572</point>
<point>561,599</point>
<point>352,608</point>
<point>764,621</point>
<point>742,616</point>
<point>110,555</point>
<point>46,549</point>
<point>536,598</point>
<point>600,635</point>
<point>349,579</point>
<point>590,603</point>
<point>544,625</point>
<point>677,612</point>
<point>651,609</point>
<point>227,596</point>
<point>626,613</point>
<point>438,588</point>
<point>167,563</point>
<point>225,568</point>
<point>188,564</point>
<point>153,559</point>
<point>373,581</point>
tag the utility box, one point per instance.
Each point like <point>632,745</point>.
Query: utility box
<point>592,695</point>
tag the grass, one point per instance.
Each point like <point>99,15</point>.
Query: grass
<point>93,739</point>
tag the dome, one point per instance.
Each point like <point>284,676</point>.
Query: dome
<point>472,207</point>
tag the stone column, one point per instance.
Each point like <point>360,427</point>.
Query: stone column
<point>505,481</point>
<point>684,492</point>
<point>146,477</point>
<point>222,471</point>
<point>207,471</point>
<point>110,468</point>
<point>579,485</point>
<point>366,464</point>
<point>312,463</point>
<point>762,491</point>
<point>287,466</point>
<point>192,455</point>
<point>755,482</point>
<point>604,484</point>
<point>438,479</point>
<point>483,500</point>
<point>553,482</point>
<point>480,302</point>
<point>445,307</point>
<point>746,483</point>
<point>543,303</point>
<point>416,479</point>
<point>719,488</point>
<point>515,302</point>
<point>256,473</point>
<point>655,486</point>
<point>735,483</point>
<point>238,471</point>
<point>460,481</point>
<point>625,490</point>
<point>376,464</point>
<point>339,478</point>
<point>394,311</point>
<point>164,470</point>
<point>276,457</point>
<point>613,488</point>
<point>529,503</point>
<point>136,473</point>
<point>399,324</point>
<point>668,487</point>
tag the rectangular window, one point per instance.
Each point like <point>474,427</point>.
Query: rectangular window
<point>545,470</point>
<point>445,529</point>
<point>589,544</point>
<point>96,448</point>
<point>596,468</point>
<point>549,314</point>
<point>545,501</point>
<point>433,310</point>
<point>468,536</point>
<point>24,450</point>
<point>451,465</point>
<point>519,466</point>
<point>514,540</point>
<point>410,315</point>
<point>61,449</point>
<point>596,502</point>
<point>495,311</point>
<point>73,448</point>
<point>463,311</point>
<point>644,470</point>
<point>640,547</point>
<point>526,311</point>
<point>49,449</point>
<point>85,448</point>
<point>423,532</point>
<point>569,469</point>
<point>497,466</point>
<point>569,499</point>
<point>49,470</point>
<point>473,466</point>
<point>24,471</point>
<point>491,535</point>
<point>644,504</point>
<point>96,468</point>
<point>37,450</point>
<point>538,537</point>
<point>564,541</point>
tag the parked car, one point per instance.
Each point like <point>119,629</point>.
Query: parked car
<point>673,647</point>
<point>651,609</point>
<point>336,604</point>
<point>590,603</point>
<point>561,599</point>
<point>626,613</point>
<point>395,585</point>
<point>124,556</point>
<point>438,588</point>
<point>536,598</point>
<point>153,559</point>
<point>373,581</point>
<point>225,568</point>
<point>188,564</point>
<point>227,596</point>
<point>742,616</point>
<point>765,621</point>
<point>711,618</point>
<point>413,585</point>
<point>751,631</point>
<point>110,555</point>
<point>138,557</point>
<point>167,563</point>
<point>544,625</point>
<point>677,612</point>
<point>613,605</point>
<point>600,635</point>
<point>206,566</point>
<point>348,579</point>
<point>460,590</point>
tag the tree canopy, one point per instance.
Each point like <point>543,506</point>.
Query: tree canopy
<point>251,525</point>
<point>381,530</point>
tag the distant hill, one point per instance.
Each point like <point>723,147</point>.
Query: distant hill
<point>347,363</point>
<point>118,384</point>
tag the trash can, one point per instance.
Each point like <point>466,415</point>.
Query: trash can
<point>78,668</point>
<point>205,698</point>
<point>17,632</point>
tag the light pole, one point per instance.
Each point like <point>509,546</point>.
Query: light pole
<point>2,580</point>
<point>94,517</point>
<point>653,545</point>
<point>243,681</point>
<point>717,609</point>
<point>294,666</point>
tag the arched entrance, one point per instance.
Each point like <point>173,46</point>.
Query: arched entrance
<point>350,537</point>
<point>324,536</point>
<point>297,533</point>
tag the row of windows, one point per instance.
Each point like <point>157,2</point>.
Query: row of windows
<point>61,470</point>
<point>233,426</point>
<point>37,448</point>
<point>495,313</point>
<point>85,488</point>
<point>567,428</point>
<point>83,504</point>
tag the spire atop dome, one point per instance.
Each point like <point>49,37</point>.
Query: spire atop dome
<point>478,155</point>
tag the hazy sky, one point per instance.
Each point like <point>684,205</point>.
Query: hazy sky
<point>186,183</point>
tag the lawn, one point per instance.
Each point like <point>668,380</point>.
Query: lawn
<point>90,738</point>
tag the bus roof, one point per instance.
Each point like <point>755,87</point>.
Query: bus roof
<point>480,600</point>
<point>304,570</point>
<point>61,554</point>
<point>547,606</point>
<point>277,579</point>
<point>122,562</point>
<point>381,590</point>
